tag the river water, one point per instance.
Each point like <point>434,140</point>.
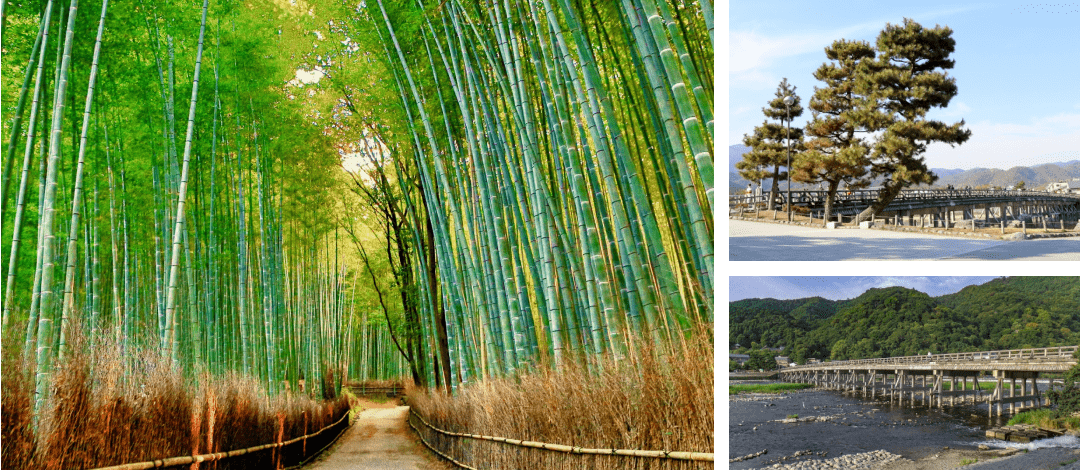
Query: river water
<point>855,425</point>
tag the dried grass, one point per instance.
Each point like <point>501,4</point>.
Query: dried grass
<point>643,402</point>
<point>106,411</point>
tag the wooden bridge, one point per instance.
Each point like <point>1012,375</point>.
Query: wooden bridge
<point>388,391</point>
<point>922,379</point>
<point>929,207</point>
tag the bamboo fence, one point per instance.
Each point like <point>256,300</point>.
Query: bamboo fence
<point>218,456</point>
<point>656,454</point>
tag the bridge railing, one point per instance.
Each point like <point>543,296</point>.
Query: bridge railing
<point>389,391</point>
<point>1061,353</point>
<point>868,196</point>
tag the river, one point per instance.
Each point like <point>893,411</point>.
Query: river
<point>851,425</point>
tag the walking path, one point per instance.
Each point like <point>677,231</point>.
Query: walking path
<point>754,241</point>
<point>378,439</point>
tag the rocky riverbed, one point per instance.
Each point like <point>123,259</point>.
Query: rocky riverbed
<point>818,429</point>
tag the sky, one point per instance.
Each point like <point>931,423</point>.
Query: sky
<point>1016,69</point>
<point>841,287</point>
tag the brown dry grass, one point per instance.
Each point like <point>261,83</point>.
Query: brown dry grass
<point>99,415</point>
<point>643,402</point>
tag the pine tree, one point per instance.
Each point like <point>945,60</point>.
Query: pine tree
<point>768,142</point>
<point>835,154</point>
<point>908,78</point>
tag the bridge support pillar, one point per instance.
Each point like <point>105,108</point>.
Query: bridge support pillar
<point>898,387</point>
<point>1029,394</point>
<point>952,388</point>
<point>939,383</point>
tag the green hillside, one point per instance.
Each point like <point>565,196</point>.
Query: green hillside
<point>1006,313</point>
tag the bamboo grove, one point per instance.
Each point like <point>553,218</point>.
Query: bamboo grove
<point>556,169</point>
<point>539,176</point>
<point>151,202</point>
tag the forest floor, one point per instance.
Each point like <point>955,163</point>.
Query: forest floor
<point>379,438</point>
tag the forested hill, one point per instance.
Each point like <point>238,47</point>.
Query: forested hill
<point>1006,313</point>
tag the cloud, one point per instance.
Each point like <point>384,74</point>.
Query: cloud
<point>1005,145</point>
<point>956,109</point>
<point>841,287</point>
<point>750,50</point>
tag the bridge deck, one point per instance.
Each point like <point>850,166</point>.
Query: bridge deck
<point>1036,360</point>
<point>847,201</point>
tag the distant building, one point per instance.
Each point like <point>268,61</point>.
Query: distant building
<point>813,361</point>
<point>740,358</point>
<point>1064,187</point>
<point>783,361</point>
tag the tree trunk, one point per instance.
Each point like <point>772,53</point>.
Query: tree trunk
<point>774,191</point>
<point>830,198</point>
<point>443,345</point>
<point>886,196</point>
<point>414,354</point>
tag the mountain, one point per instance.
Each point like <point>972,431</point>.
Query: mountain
<point>1006,313</point>
<point>735,153</point>
<point>944,172</point>
<point>1033,177</point>
<point>737,183</point>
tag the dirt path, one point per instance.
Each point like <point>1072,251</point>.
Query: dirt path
<point>378,439</point>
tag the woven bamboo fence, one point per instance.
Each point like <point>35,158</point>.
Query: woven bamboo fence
<point>449,445</point>
<point>281,454</point>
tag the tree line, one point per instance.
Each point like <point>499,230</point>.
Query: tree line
<point>1007,313</point>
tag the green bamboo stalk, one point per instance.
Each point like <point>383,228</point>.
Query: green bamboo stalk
<point>9,284</point>
<point>170,306</point>
<point>39,44</point>
<point>45,342</point>
<point>76,203</point>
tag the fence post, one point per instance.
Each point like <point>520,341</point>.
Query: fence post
<point>280,436</point>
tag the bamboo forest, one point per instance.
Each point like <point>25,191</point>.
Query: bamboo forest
<point>236,232</point>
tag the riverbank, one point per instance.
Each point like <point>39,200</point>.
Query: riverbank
<point>982,458</point>
<point>818,429</point>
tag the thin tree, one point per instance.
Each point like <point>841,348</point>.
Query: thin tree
<point>908,78</point>
<point>769,149</point>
